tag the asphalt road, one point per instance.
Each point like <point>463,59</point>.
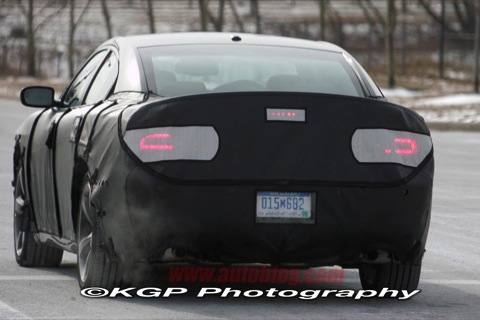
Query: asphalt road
<point>450,280</point>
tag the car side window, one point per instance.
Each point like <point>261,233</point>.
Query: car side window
<point>75,93</point>
<point>104,81</point>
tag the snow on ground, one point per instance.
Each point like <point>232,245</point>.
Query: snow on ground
<point>399,92</point>
<point>441,110</point>
<point>451,100</point>
<point>453,116</point>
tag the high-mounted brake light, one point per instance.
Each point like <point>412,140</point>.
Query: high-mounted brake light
<point>390,146</point>
<point>292,115</point>
<point>173,143</point>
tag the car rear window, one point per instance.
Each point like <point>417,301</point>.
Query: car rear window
<point>194,69</point>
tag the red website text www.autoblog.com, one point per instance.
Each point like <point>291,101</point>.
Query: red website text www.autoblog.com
<point>255,275</point>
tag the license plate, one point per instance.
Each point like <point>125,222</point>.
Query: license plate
<point>285,207</point>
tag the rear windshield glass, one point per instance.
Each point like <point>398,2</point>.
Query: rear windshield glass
<point>193,69</point>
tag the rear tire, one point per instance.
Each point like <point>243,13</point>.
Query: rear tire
<point>28,252</point>
<point>393,275</point>
<point>94,266</point>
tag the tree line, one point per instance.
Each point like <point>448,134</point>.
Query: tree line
<point>386,20</point>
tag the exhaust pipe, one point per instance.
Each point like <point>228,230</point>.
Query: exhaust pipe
<point>174,254</point>
<point>179,252</point>
<point>376,256</point>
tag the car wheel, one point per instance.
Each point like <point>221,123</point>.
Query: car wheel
<point>393,275</point>
<point>94,267</point>
<point>29,253</point>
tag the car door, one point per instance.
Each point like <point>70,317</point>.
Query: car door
<point>99,88</point>
<point>43,149</point>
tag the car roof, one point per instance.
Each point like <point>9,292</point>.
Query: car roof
<point>199,38</point>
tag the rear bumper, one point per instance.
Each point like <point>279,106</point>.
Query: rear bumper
<point>217,222</point>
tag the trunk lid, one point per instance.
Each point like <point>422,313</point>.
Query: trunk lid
<point>254,147</point>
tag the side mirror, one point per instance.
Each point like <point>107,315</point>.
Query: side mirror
<point>38,97</point>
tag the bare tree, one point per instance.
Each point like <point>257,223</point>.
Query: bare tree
<point>404,35</point>
<point>389,42</point>
<point>73,26</point>
<point>106,16</point>
<point>374,18</point>
<point>202,4</point>
<point>255,12</point>
<point>322,5</point>
<point>151,16</point>
<point>338,23</point>
<point>30,15</point>
<point>476,81</point>
<point>71,34</point>
<point>31,50</point>
<point>464,15</point>
<point>442,43</point>
<point>207,16</point>
<point>465,11</point>
<point>238,20</point>
<point>376,25</point>
<point>216,21</point>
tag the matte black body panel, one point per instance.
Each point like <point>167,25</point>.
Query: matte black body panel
<point>218,222</point>
<point>256,151</point>
<point>144,216</point>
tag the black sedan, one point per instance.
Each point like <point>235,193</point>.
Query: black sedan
<point>212,147</point>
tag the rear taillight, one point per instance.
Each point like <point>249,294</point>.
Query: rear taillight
<point>390,146</point>
<point>156,141</point>
<point>405,146</point>
<point>173,143</point>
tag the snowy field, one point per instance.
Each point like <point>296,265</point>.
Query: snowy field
<point>457,111</point>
